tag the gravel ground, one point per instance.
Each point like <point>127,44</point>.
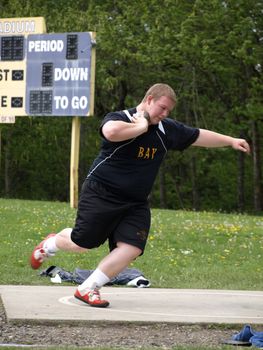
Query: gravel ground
<point>130,336</point>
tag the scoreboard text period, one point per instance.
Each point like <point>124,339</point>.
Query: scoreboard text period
<point>58,74</point>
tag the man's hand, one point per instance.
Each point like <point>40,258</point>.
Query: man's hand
<point>138,118</point>
<point>241,145</point>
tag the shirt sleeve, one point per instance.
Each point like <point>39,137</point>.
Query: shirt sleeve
<point>180,136</point>
<point>113,116</point>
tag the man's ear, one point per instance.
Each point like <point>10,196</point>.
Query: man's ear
<point>149,99</point>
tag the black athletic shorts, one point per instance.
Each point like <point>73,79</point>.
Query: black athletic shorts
<point>104,215</point>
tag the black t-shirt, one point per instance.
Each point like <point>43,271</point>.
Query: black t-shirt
<point>129,167</point>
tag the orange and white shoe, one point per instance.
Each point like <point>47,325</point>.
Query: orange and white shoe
<point>40,254</point>
<point>92,298</point>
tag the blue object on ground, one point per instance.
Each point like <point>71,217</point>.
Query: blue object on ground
<point>247,337</point>
<point>257,340</point>
<point>244,335</point>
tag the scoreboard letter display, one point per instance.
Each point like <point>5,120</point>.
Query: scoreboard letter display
<point>13,38</point>
<point>59,74</point>
<point>12,75</point>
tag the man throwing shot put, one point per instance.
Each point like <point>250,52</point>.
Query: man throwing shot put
<point>113,202</point>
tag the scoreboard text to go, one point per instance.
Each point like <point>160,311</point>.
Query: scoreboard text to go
<point>46,74</point>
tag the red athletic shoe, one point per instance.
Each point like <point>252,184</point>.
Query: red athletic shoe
<point>92,298</point>
<point>40,254</point>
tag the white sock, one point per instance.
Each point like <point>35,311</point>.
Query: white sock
<point>50,245</point>
<point>96,280</point>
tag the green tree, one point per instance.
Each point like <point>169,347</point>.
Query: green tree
<point>221,69</point>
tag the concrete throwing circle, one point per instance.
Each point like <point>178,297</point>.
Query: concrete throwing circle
<point>167,305</point>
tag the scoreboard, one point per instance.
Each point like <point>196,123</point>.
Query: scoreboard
<point>47,74</point>
<point>12,75</point>
<point>13,34</point>
<point>58,74</point>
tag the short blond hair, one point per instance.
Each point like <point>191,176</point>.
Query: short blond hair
<point>158,90</point>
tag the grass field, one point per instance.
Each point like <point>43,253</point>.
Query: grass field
<point>185,249</point>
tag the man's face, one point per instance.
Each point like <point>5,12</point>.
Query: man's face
<point>159,109</point>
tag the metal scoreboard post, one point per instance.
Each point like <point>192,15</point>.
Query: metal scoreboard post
<point>59,74</point>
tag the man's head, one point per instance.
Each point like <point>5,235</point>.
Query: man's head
<point>159,101</point>
<point>158,90</point>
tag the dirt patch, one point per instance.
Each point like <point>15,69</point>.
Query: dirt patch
<point>115,335</point>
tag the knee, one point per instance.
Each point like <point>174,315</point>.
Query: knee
<point>64,242</point>
<point>132,251</point>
